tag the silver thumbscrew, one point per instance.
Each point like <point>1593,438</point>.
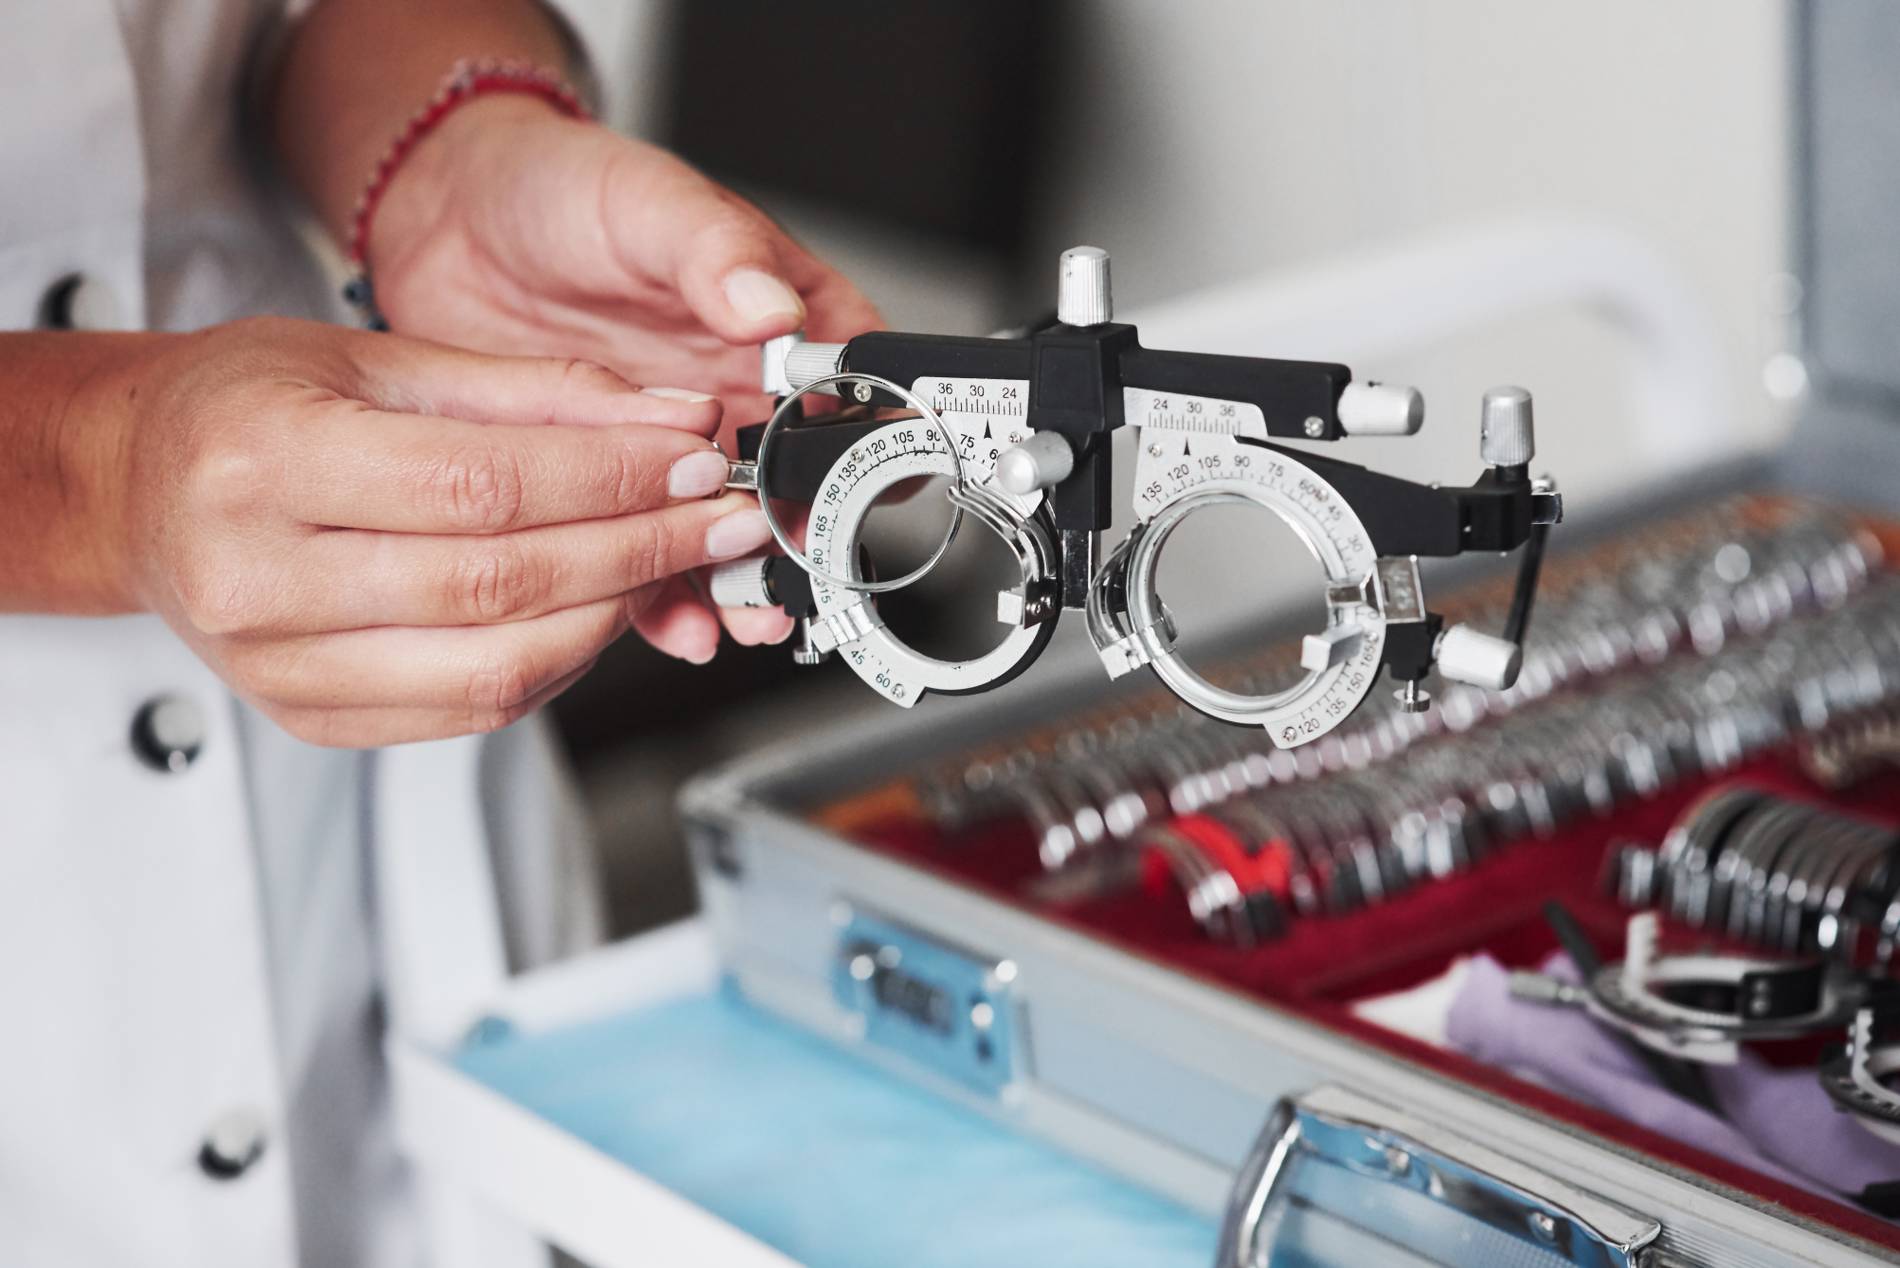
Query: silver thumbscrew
<point>1082,290</point>
<point>806,652</point>
<point>1505,435</point>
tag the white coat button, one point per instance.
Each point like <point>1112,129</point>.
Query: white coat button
<point>233,1145</point>
<point>167,733</point>
<point>79,301</point>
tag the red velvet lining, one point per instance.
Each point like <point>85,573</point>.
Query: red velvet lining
<point>1323,963</point>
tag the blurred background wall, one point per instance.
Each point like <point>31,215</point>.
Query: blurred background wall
<point>943,152</point>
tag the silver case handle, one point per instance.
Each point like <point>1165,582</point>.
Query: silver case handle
<point>1331,1138</point>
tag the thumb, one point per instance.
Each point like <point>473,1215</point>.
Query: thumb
<point>731,271</point>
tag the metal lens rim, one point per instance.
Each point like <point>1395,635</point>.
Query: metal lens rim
<point>782,416</point>
<point>1144,607</point>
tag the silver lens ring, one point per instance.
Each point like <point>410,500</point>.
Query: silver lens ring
<point>784,414</point>
<point>1146,614</point>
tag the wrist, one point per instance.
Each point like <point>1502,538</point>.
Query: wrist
<point>95,448</point>
<point>68,425</point>
<point>444,168</point>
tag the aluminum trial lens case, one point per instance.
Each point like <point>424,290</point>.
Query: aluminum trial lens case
<point>1169,1078</point>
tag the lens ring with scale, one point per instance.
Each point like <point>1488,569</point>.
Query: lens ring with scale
<point>1321,699</point>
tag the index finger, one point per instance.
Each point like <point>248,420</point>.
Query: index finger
<point>359,467</point>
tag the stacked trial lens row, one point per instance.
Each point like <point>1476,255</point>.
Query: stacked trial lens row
<point>1681,651</point>
<point>1776,871</point>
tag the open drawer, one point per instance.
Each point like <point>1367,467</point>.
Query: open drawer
<point>632,1111</point>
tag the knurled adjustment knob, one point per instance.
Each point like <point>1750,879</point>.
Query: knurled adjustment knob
<point>743,583</point>
<point>1082,290</point>
<point>1505,437</point>
<point>806,651</point>
<point>806,363</point>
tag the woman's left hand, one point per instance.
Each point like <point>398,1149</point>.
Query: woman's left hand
<point>514,229</point>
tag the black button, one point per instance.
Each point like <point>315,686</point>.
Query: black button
<point>167,733</point>
<point>56,305</point>
<point>233,1145</point>
<point>79,302</point>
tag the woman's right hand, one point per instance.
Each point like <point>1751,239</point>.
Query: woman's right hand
<point>375,539</point>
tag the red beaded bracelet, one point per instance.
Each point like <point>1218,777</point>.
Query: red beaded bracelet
<point>467,80</point>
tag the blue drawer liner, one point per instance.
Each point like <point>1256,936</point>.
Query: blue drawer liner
<point>823,1156</point>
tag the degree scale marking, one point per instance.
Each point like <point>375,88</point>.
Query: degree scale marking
<point>985,416</point>
<point>1192,444</point>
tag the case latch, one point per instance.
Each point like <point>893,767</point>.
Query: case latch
<point>945,1007</point>
<point>1340,1179</point>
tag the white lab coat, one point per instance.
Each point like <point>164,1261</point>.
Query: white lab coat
<point>202,956</point>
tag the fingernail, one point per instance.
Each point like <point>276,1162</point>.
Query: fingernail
<point>785,633</point>
<point>702,656</point>
<point>699,474</point>
<point>756,296</point>
<point>735,534</point>
<point>676,394</point>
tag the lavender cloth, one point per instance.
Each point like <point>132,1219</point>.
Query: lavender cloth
<point>1778,1121</point>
